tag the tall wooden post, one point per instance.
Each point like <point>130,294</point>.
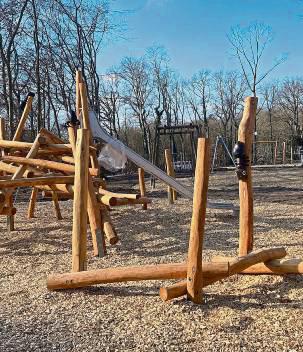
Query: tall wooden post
<point>194,261</point>
<point>142,185</point>
<point>79,236</point>
<point>171,193</point>
<point>245,136</point>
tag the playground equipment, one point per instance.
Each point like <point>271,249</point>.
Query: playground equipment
<point>50,165</point>
<point>198,274</point>
<point>99,133</point>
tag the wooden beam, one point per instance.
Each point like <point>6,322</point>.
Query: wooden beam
<point>130,273</point>
<point>46,164</point>
<point>171,193</point>
<point>24,116</point>
<point>36,181</point>
<point>56,205</point>
<point>194,270</point>
<point>245,135</point>
<point>79,237</point>
<point>32,203</point>
<point>142,186</point>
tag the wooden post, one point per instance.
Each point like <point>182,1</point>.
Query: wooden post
<point>2,131</point>
<point>171,193</point>
<point>56,205</point>
<point>276,153</point>
<point>79,237</point>
<point>245,136</point>
<point>78,96</point>
<point>86,122</point>
<point>10,220</point>
<point>142,186</point>
<point>22,121</point>
<point>194,263</point>
<point>32,203</point>
<point>284,152</point>
<point>291,154</point>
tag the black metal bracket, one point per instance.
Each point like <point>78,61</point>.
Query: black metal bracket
<point>242,160</point>
<point>73,122</point>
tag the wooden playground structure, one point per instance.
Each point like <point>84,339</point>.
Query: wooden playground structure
<point>71,171</point>
<point>195,273</point>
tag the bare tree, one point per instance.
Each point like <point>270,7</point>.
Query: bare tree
<point>199,95</point>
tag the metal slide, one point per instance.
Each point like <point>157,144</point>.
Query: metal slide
<point>99,132</point>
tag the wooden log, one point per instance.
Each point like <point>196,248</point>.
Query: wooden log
<point>271,267</point>
<point>142,186</point>
<point>108,227</point>
<point>284,152</point>
<point>170,172</point>
<point>72,137</point>
<point>95,221</point>
<point>86,122</point>
<point>11,169</point>
<point>245,135</point>
<point>32,203</point>
<point>79,237</point>
<point>135,273</point>
<point>56,205</point>
<point>36,181</point>
<point>78,96</point>
<point>276,153</point>
<point>46,164</point>
<point>2,132</point>
<point>10,220</point>
<point>66,159</point>
<point>51,136</point>
<point>9,211</point>
<point>143,200</point>
<point>118,195</point>
<point>24,116</point>
<point>31,154</point>
<point>60,195</point>
<point>194,271</point>
<point>235,266</point>
<point>179,289</point>
<point>63,148</point>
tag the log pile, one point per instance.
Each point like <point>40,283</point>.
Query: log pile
<point>63,170</point>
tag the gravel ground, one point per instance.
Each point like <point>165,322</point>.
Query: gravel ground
<point>242,313</point>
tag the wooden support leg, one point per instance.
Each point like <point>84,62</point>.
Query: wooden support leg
<point>56,205</point>
<point>107,226</point>
<point>32,203</point>
<point>171,193</point>
<point>79,236</point>
<point>194,268</point>
<point>95,221</point>
<point>10,218</point>
<point>245,136</point>
<point>142,186</point>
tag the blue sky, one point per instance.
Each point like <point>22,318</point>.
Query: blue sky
<point>194,32</point>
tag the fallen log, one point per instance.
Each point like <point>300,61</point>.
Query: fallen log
<point>135,273</point>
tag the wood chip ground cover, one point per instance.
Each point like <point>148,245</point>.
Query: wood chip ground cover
<point>243,313</point>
